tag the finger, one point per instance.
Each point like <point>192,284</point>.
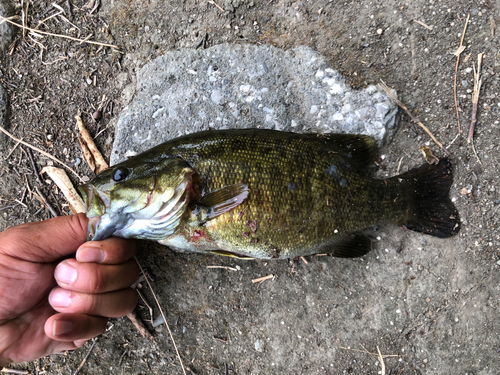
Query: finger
<point>73,327</point>
<point>110,305</point>
<point>110,251</point>
<point>45,241</point>
<point>95,278</point>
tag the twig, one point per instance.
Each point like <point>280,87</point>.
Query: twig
<point>13,149</point>
<point>137,322</point>
<point>384,87</point>
<point>161,311</point>
<point>85,359</point>
<point>224,267</point>
<point>475,95</point>
<point>261,279</point>
<point>423,24</point>
<point>13,371</point>
<point>58,35</point>
<point>475,153</point>
<point>459,51</point>
<point>214,3</point>
<point>304,260</point>
<point>33,166</point>
<point>46,202</point>
<point>381,359</point>
<point>40,151</point>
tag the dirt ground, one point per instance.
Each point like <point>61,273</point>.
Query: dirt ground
<point>432,304</point>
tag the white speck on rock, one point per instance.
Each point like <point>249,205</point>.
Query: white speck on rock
<point>217,97</point>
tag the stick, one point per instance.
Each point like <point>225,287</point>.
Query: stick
<point>459,51</point>
<point>33,166</point>
<point>384,87</point>
<point>139,325</point>
<point>13,371</point>
<point>162,314</point>
<point>260,279</point>
<point>46,202</point>
<point>58,35</point>
<point>224,267</point>
<point>85,359</point>
<point>40,151</point>
<point>475,96</point>
<point>304,260</point>
<point>214,3</point>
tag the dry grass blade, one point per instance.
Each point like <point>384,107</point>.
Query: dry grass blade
<point>44,201</point>
<point>384,87</point>
<point>460,49</point>
<point>92,154</point>
<point>381,360</point>
<point>475,95</point>
<point>163,315</point>
<point>57,35</point>
<point>41,152</point>
<point>224,267</point>
<point>63,182</point>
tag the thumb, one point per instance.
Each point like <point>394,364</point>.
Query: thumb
<point>45,241</point>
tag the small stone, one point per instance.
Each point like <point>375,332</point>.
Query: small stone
<point>258,346</point>
<point>380,31</point>
<point>78,161</point>
<point>97,115</point>
<point>420,267</point>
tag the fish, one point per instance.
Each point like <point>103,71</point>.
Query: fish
<point>254,193</point>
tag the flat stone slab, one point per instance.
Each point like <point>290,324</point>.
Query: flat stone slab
<point>246,86</point>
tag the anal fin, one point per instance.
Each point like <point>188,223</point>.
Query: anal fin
<point>352,246</point>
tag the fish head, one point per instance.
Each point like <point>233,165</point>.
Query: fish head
<point>138,198</point>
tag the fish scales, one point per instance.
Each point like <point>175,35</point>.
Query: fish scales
<point>303,194</point>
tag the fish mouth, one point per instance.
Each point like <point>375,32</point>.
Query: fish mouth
<point>95,205</point>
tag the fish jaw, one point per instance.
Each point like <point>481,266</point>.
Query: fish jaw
<point>156,219</point>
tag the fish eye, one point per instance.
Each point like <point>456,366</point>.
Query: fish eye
<point>120,174</point>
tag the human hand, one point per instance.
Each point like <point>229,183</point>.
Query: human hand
<point>91,288</point>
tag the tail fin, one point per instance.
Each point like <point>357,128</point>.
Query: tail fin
<point>433,212</point>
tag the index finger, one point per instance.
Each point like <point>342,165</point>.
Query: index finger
<point>45,241</point>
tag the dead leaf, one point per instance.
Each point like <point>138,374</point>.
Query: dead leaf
<point>61,179</point>
<point>429,156</point>
<point>93,156</point>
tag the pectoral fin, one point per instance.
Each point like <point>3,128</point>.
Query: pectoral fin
<point>352,246</point>
<point>222,200</point>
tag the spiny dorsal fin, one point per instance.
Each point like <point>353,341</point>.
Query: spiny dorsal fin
<point>222,200</point>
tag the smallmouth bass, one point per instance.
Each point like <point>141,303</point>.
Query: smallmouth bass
<point>265,194</point>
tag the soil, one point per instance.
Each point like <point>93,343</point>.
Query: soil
<point>432,304</point>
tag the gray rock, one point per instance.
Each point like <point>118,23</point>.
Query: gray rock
<point>246,86</point>
<point>4,114</point>
<point>6,32</point>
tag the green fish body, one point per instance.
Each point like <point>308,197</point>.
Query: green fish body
<point>265,194</point>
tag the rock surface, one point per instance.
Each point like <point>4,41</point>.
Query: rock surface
<point>246,86</point>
